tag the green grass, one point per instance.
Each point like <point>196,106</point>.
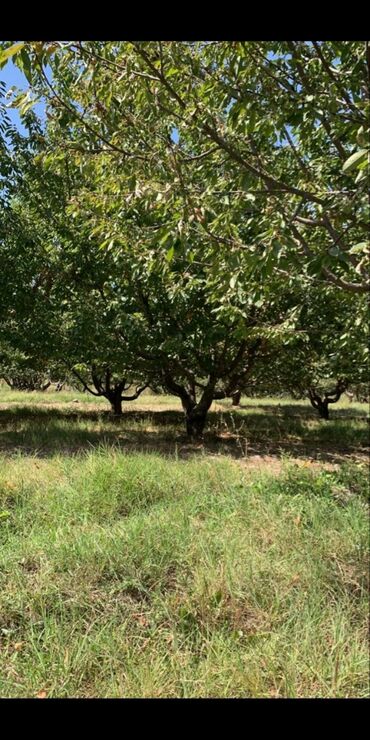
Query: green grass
<point>50,396</point>
<point>134,575</point>
<point>134,563</point>
<point>48,423</point>
<point>7,395</point>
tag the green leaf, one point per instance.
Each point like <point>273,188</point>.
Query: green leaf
<point>26,106</point>
<point>165,237</point>
<point>4,55</point>
<point>360,176</point>
<point>170,253</point>
<point>354,159</point>
<point>357,248</point>
<point>251,122</point>
<point>362,138</point>
<point>26,62</point>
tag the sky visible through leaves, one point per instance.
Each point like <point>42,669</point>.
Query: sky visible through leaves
<point>11,75</point>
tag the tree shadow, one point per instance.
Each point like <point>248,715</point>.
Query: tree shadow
<point>45,413</point>
<point>47,432</point>
<point>171,416</point>
<point>303,411</point>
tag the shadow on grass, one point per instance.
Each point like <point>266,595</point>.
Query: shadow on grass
<point>303,411</point>
<point>170,416</point>
<point>277,433</point>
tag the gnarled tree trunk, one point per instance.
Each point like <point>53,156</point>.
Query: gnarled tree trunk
<point>195,412</point>
<point>195,420</point>
<point>112,392</point>
<point>115,400</point>
<point>322,404</point>
<point>323,408</point>
<point>232,373</point>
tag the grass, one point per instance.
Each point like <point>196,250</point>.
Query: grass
<point>38,423</point>
<point>131,573</point>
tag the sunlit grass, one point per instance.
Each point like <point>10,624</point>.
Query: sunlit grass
<point>70,423</point>
<point>184,571</point>
<point>51,397</point>
<point>133,575</point>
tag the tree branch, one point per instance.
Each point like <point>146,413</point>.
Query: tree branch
<point>83,382</point>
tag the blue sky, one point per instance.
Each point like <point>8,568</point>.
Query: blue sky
<point>11,75</point>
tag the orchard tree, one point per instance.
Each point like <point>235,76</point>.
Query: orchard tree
<point>338,351</point>
<point>91,347</point>
<point>328,353</point>
<point>130,312</point>
<point>151,302</point>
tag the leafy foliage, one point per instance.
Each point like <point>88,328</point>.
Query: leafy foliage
<point>194,210</point>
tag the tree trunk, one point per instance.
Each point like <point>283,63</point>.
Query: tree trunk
<point>195,423</point>
<point>236,398</point>
<point>116,403</point>
<point>323,409</point>
<point>195,413</point>
<point>322,404</point>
